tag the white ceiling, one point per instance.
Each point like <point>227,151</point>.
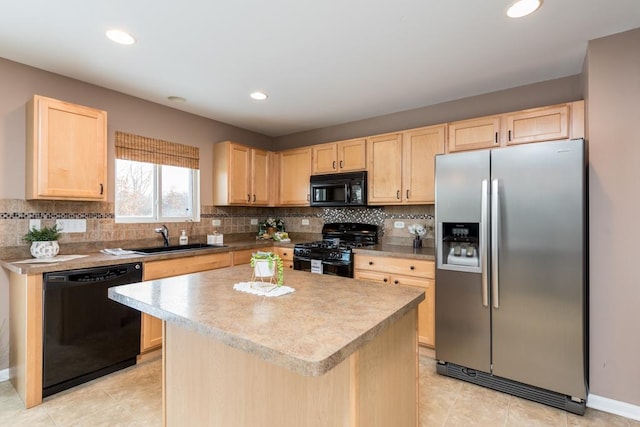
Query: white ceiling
<point>322,62</point>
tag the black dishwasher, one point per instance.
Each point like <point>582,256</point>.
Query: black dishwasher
<point>85,334</point>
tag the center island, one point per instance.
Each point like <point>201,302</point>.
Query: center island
<point>336,352</point>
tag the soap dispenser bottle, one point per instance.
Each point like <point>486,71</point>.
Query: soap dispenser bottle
<point>183,238</point>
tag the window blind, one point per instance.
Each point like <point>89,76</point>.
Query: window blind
<point>152,150</point>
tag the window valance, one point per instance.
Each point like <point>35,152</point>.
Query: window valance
<point>152,150</point>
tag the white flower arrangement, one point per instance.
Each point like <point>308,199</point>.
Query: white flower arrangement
<point>418,229</point>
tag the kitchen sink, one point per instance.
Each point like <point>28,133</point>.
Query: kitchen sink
<point>177,248</point>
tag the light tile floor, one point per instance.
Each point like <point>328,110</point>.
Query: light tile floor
<point>132,397</point>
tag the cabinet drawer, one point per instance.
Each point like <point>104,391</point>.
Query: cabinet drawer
<point>285,253</point>
<point>186,265</point>
<point>408,267</point>
<point>371,276</point>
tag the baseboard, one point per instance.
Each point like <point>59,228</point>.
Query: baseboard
<point>4,375</point>
<point>616,407</point>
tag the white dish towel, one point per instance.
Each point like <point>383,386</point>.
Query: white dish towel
<point>260,289</point>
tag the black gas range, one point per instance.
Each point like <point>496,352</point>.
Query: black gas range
<point>333,254</point>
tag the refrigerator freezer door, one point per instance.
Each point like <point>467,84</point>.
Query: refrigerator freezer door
<point>538,329</point>
<point>463,334</point>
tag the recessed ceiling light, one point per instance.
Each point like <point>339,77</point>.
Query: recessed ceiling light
<point>523,8</point>
<point>120,37</point>
<point>259,96</point>
<point>176,99</point>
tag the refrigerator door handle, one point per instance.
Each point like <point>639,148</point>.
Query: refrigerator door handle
<point>495,220</point>
<point>484,219</point>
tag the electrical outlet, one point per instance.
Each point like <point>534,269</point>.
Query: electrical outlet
<point>305,222</point>
<point>398,224</point>
<point>254,221</point>
<point>216,222</point>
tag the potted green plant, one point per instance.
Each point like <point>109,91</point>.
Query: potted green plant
<point>44,241</point>
<point>268,265</point>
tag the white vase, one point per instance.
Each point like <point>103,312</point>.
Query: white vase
<point>47,249</point>
<point>262,269</point>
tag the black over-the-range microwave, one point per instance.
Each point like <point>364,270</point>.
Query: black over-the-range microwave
<point>339,189</point>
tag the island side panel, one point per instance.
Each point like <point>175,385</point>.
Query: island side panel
<point>25,318</point>
<point>209,383</point>
<point>388,376</point>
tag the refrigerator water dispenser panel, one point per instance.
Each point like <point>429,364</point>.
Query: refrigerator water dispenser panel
<point>459,246</point>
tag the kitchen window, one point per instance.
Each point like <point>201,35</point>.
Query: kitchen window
<point>156,181</point>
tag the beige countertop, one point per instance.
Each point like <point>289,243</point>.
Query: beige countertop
<point>309,331</point>
<point>97,259</point>
<point>398,251</point>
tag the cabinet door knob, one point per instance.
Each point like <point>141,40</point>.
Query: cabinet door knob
<point>370,262</point>
<point>254,198</point>
<point>412,268</point>
<point>385,280</point>
<point>407,194</point>
<point>248,197</point>
<point>398,194</point>
<point>509,134</point>
<point>395,282</point>
<point>101,189</point>
<point>334,164</point>
<point>496,137</point>
<point>341,165</point>
<point>284,253</point>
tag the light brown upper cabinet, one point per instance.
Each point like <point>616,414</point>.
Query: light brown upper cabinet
<point>474,134</point>
<point>384,163</point>
<point>342,156</point>
<point>401,166</point>
<point>240,175</point>
<point>540,124</point>
<point>548,123</point>
<point>419,149</point>
<point>66,151</point>
<point>295,173</point>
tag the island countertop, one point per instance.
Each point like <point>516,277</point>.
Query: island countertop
<point>309,331</point>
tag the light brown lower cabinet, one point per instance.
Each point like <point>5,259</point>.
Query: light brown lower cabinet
<point>151,336</point>
<point>404,272</point>
<point>286,254</point>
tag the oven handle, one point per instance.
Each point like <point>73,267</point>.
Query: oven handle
<point>336,263</point>
<point>347,193</point>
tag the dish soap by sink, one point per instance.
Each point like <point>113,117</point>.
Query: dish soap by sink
<point>184,240</point>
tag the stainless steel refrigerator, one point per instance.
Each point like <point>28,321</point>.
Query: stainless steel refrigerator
<point>511,273</point>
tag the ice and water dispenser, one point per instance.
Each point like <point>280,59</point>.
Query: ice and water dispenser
<point>459,246</point>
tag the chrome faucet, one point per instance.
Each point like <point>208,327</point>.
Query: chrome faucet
<point>165,234</point>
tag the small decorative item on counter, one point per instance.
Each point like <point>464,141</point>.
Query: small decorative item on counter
<point>216,239</point>
<point>269,226</point>
<point>418,230</point>
<point>184,239</point>
<point>44,242</point>
<point>267,266</point>
<point>281,236</point>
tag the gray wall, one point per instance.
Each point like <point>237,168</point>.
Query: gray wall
<point>18,83</point>
<point>613,110</point>
<point>534,95</point>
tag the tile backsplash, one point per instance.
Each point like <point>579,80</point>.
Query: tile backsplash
<point>102,230</point>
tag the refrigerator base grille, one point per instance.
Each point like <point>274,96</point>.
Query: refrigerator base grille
<point>515,388</point>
